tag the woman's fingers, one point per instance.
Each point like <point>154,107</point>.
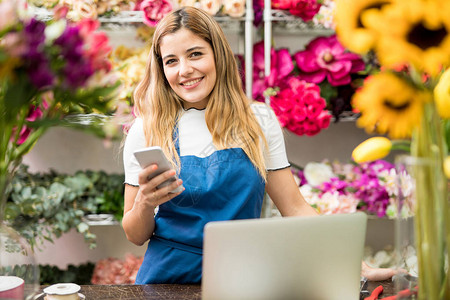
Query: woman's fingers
<point>145,173</point>
<point>149,188</point>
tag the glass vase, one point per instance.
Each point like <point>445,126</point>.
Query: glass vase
<point>19,272</point>
<point>421,229</point>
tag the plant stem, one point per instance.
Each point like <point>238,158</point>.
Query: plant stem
<point>431,222</point>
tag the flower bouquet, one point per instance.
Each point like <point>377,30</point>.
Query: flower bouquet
<point>335,187</point>
<point>304,87</point>
<point>408,100</point>
<point>117,271</point>
<point>51,73</point>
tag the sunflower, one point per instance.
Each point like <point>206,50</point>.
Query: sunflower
<point>351,25</point>
<point>419,35</point>
<point>389,104</point>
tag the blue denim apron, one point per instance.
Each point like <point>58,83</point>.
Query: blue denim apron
<point>222,186</point>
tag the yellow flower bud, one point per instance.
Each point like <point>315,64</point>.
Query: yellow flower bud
<point>372,149</point>
<point>447,166</point>
<point>442,95</point>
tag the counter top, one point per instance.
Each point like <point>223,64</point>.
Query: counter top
<point>175,291</point>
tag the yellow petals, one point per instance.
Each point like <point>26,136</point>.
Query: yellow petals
<point>372,149</point>
<point>442,95</point>
<point>389,105</point>
<point>447,166</point>
<point>420,37</point>
<point>352,29</point>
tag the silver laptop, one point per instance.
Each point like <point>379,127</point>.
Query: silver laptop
<point>284,258</point>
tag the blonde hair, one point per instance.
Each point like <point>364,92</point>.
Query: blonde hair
<point>228,113</point>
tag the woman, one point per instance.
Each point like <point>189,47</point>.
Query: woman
<point>225,149</point>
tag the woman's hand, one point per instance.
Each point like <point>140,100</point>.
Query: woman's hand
<point>377,274</point>
<point>152,196</point>
<point>140,203</point>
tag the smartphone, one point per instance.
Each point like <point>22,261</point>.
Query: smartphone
<point>155,155</point>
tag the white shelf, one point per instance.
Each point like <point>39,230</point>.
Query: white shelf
<point>285,22</point>
<point>100,220</point>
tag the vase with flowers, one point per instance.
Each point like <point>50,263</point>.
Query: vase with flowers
<point>51,73</point>
<point>408,100</point>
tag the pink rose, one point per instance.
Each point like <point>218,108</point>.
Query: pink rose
<point>155,10</point>
<point>300,108</point>
<point>281,4</point>
<point>305,9</point>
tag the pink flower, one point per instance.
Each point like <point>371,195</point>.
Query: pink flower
<point>116,271</point>
<point>281,4</point>
<point>281,66</point>
<point>305,9</point>
<point>60,11</point>
<point>34,113</point>
<point>300,108</point>
<point>97,47</point>
<point>325,57</point>
<point>155,10</point>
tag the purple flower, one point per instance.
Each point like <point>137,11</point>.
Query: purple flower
<point>77,68</point>
<point>36,63</point>
<point>35,32</point>
<point>374,196</point>
<point>325,57</point>
<point>335,185</point>
<point>301,176</point>
<point>40,74</point>
<point>77,73</point>
<point>258,8</point>
<point>71,43</point>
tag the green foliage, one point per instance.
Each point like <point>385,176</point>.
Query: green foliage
<point>44,206</point>
<point>25,271</point>
<point>81,274</point>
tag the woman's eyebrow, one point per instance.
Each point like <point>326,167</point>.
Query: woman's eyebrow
<point>195,48</point>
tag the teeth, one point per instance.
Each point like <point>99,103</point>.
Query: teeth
<point>192,82</point>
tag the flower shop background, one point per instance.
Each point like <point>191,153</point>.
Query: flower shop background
<point>68,151</point>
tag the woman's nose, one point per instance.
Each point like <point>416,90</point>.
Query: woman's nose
<point>185,67</point>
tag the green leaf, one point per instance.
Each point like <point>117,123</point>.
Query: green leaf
<point>327,91</point>
<point>19,94</point>
<point>82,227</point>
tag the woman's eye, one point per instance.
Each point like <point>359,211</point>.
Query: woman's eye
<point>169,61</point>
<point>194,54</point>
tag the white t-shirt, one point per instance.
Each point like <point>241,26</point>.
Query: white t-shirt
<point>195,139</point>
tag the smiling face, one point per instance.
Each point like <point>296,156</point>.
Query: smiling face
<point>189,67</point>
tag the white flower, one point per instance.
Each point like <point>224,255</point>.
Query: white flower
<point>54,30</point>
<point>317,173</point>
<point>234,8</point>
<point>181,3</point>
<point>308,194</point>
<point>389,182</point>
<point>212,7</point>
<point>85,9</point>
